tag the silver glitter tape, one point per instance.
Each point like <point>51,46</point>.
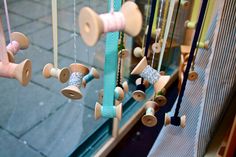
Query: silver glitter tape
<point>150,74</point>
<point>76,79</point>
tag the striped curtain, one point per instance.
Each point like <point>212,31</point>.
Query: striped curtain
<point>205,99</point>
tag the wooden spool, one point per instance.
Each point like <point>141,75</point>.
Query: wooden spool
<point>125,86</point>
<point>156,48</point>
<point>22,72</point>
<point>23,43</point>
<point>119,93</point>
<point>160,84</point>
<point>93,73</point>
<point>72,91</point>
<point>160,99</point>
<point>168,120</point>
<point>184,4</point>
<point>193,75</point>
<point>98,108</point>
<point>140,95</point>
<point>149,118</point>
<point>123,53</point>
<point>138,52</point>
<point>92,27</point>
<point>140,68</point>
<point>61,74</point>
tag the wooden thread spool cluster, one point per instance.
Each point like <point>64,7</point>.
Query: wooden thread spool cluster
<point>193,75</point>
<point>61,74</point>
<point>92,25</point>
<point>149,119</point>
<point>78,71</point>
<point>175,120</point>
<point>19,42</point>
<point>22,72</point>
<point>93,74</point>
<point>147,72</point>
<point>139,93</point>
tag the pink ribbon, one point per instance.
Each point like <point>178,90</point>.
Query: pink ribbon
<point>13,46</point>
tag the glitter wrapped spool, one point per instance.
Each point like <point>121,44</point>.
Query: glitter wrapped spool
<point>93,74</point>
<point>19,42</point>
<point>61,74</point>
<point>149,119</point>
<point>22,72</point>
<point>139,93</point>
<point>147,72</point>
<point>138,52</point>
<point>176,121</point>
<point>92,25</point>
<point>73,90</point>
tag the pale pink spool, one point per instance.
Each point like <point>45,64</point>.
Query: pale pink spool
<point>14,47</point>
<point>113,21</point>
<point>7,70</point>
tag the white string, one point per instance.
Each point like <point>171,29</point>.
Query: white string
<point>112,6</point>
<point>167,28</point>
<point>74,33</point>
<point>54,32</point>
<point>8,20</point>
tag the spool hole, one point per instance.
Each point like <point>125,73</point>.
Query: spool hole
<point>27,72</point>
<point>87,27</point>
<point>71,94</point>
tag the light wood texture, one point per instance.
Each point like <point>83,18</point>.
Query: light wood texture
<point>156,47</point>
<point>168,120</point>
<point>125,86</point>
<point>149,119</point>
<point>91,25</point>
<point>21,39</point>
<point>161,83</point>
<point>120,93</point>
<point>145,82</point>
<point>185,49</point>
<point>192,76</point>
<point>71,91</point>
<point>98,107</point>
<point>23,43</point>
<point>138,52</point>
<point>22,72</point>
<point>140,67</point>
<point>139,95</point>
<point>61,74</point>
<point>123,53</point>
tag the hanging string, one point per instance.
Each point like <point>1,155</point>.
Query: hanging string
<point>173,30</point>
<point>54,32</point>
<point>191,56</point>
<point>145,24</point>
<point>74,33</point>
<point>3,49</point>
<point>120,48</point>
<point>160,13</point>
<point>8,20</point>
<point>148,40</point>
<point>164,18</point>
<point>112,6</point>
<point>167,28</point>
